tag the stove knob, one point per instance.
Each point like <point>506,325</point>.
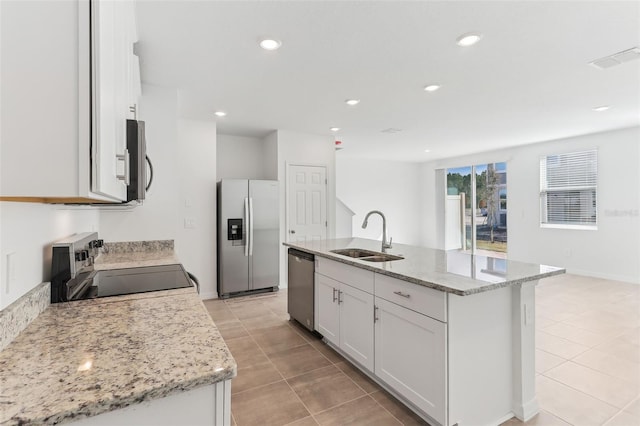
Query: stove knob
<point>96,243</point>
<point>82,255</point>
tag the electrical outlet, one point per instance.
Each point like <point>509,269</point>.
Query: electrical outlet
<point>567,252</point>
<point>189,223</point>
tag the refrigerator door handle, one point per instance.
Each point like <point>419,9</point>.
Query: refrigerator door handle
<point>250,226</point>
<point>246,221</point>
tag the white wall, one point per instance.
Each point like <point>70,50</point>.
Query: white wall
<point>270,152</point>
<point>389,186</point>
<point>196,246</point>
<point>184,158</point>
<point>28,230</point>
<point>612,251</point>
<point>303,149</point>
<point>239,157</point>
<point>344,217</point>
<point>156,219</point>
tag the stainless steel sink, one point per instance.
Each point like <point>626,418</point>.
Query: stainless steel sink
<point>367,255</point>
<point>355,252</point>
<point>381,258</point>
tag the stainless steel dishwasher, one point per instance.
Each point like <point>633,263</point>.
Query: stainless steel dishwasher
<point>300,293</point>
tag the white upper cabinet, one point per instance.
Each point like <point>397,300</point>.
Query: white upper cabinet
<point>111,53</point>
<point>68,81</point>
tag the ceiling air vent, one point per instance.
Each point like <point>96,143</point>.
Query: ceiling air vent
<point>617,58</point>
<point>391,130</point>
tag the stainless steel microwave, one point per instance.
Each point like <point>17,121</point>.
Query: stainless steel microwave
<point>137,147</point>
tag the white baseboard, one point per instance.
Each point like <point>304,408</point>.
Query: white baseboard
<point>527,411</point>
<point>606,276</point>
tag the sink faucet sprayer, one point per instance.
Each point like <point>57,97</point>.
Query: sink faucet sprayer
<point>385,245</point>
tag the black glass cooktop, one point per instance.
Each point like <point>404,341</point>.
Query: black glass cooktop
<point>116,282</point>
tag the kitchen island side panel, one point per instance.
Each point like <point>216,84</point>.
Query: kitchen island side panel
<point>480,357</point>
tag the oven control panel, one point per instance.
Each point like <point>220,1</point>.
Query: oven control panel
<point>71,257</point>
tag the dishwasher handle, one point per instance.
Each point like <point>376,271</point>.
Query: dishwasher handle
<point>303,255</point>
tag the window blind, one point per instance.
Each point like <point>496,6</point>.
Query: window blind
<point>568,188</point>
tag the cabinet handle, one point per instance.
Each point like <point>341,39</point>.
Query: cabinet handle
<point>339,299</point>
<point>126,176</point>
<point>334,295</point>
<point>405,295</point>
<point>375,313</point>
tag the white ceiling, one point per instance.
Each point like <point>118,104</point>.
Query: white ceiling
<point>527,80</point>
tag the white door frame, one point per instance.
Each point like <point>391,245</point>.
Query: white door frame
<point>287,174</point>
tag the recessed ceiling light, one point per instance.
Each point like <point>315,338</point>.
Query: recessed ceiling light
<point>270,44</point>
<point>427,150</point>
<point>334,129</point>
<point>352,102</point>
<point>432,87</point>
<point>220,113</point>
<point>602,108</point>
<point>468,39</point>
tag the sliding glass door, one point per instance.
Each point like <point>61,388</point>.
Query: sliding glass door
<point>476,209</point>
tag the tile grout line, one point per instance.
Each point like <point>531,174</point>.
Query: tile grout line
<point>592,369</point>
<point>261,350</point>
<point>622,410</point>
<point>289,384</point>
<point>366,395</point>
<point>583,393</point>
<point>370,393</point>
<point>286,380</point>
<point>276,368</point>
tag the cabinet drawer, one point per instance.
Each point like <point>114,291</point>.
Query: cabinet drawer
<point>355,277</point>
<point>426,301</point>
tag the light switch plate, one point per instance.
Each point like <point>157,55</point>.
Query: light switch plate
<point>11,271</point>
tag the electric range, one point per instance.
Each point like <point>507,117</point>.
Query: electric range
<point>73,276</point>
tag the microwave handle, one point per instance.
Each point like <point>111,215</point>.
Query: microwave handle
<point>146,189</point>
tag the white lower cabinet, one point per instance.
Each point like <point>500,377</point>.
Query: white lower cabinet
<point>410,356</point>
<point>328,323</point>
<point>205,405</point>
<point>345,318</point>
<point>356,325</point>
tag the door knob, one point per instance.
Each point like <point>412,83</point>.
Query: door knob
<point>291,231</point>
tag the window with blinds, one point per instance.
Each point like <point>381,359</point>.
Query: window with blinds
<point>568,188</point>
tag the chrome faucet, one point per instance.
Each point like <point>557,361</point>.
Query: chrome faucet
<point>385,245</point>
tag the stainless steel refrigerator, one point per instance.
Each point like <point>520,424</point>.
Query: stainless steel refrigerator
<point>248,236</point>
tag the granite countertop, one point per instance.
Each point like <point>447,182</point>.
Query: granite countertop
<point>449,271</point>
<point>88,357</point>
<point>136,254</point>
<point>135,260</point>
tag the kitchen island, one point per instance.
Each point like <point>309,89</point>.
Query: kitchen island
<point>448,333</point>
<point>151,358</point>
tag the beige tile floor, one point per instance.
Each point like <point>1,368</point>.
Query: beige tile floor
<point>587,362</point>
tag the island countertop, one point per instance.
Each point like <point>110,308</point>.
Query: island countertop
<point>88,357</point>
<point>449,271</point>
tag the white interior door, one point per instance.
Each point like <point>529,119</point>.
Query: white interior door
<point>307,198</point>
